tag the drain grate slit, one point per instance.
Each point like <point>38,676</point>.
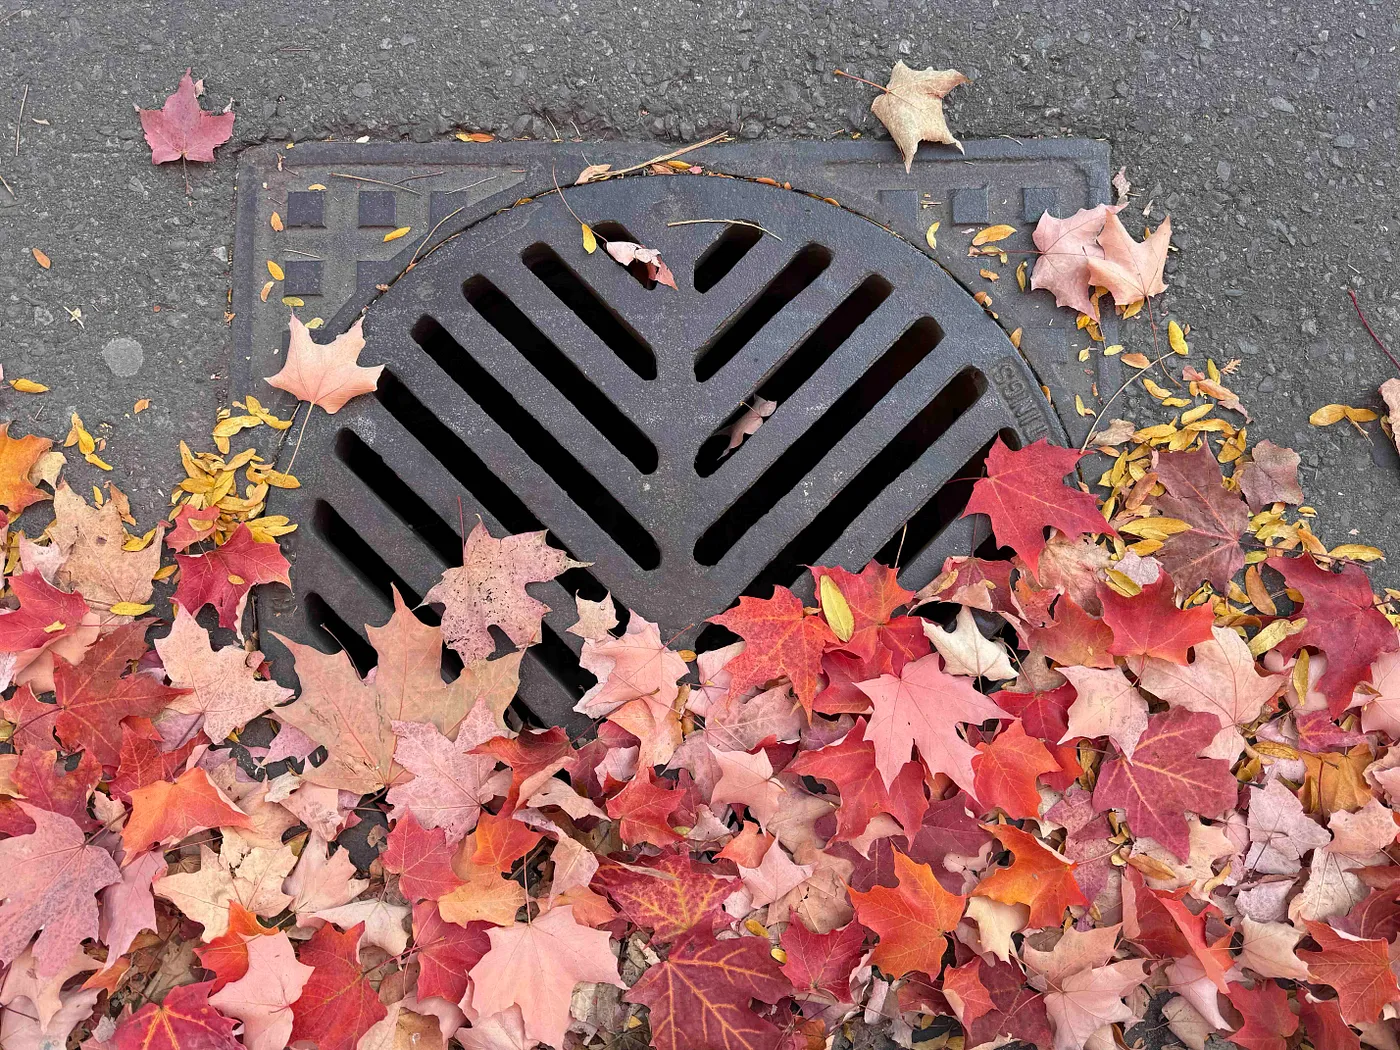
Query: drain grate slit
<point>919,435</point>
<point>801,457</point>
<point>726,253</point>
<point>538,443</point>
<point>944,508</point>
<point>544,262</point>
<point>362,558</point>
<point>806,266</point>
<point>800,364</point>
<point>563,374</point>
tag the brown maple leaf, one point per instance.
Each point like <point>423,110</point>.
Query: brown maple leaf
<point>911,107</point>
<point>1131,270</point>
<point>326,374</point>
<point>96,561</point>
<point>489,589</point>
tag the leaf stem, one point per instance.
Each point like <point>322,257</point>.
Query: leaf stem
<point>1371,331</point>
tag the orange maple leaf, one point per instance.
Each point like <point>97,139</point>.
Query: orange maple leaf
<point>1039,877</point>
<point>165,810</point>
<point>911,919</point>
<point>17,459</point>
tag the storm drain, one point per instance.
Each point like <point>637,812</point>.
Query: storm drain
<point>538,387</point>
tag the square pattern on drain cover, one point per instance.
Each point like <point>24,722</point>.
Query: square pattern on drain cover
<point>376,208</point>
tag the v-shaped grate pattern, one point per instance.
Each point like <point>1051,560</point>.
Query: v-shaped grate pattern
<point>543,388</point>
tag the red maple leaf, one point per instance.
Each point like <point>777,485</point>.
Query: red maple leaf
<point>222,577</point>
<point>1343,622</point>
<point>911,919</point>
<point>184,1020</point>
<point>1268,1021</point>
<point>965,992</point>
<point>700,997</point>
<point>45,614</point>
<point>94,696</point>
<point>1044,715</point>
<point>873,596</point>
<point>226,956</point>
<point>1358,970</point>
<point>1210,550</point>
<point>850,765</point>
<point>1150,624</point>
<point>1038,877</point>
<point>45,782</point>
<point>781,638</point>
<point>1073,637</point>
<point>822,962</point>
<point>844,671</point>
<point>670,895</point>
<point>191,526</point>
<point>1166,777</point>
<point>1159,922</point>
<point>1024,492</point>
<point>181,129</point>
<point>1016,1010</point>
<point>1322,1019</point>
<point>168,812</point>
<point>501,841</point>
<point>1005,771</point>
<point>142,761</point>
<point>532,756</point>
<point>642,809</point>
<point>421,858</point>
<point>445,952</point>
<point>338,1005</point>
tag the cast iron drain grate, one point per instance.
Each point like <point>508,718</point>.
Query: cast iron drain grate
<point>538,387</point>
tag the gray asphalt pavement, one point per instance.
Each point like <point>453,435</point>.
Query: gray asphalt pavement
<point>1267,130</point>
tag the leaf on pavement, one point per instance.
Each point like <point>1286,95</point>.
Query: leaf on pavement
<point>223,576</point>
<point>180,129</point>
<point>325,374</point>
<point>1066,246</point>
<point>337,1005</point>
<point>911,107</point>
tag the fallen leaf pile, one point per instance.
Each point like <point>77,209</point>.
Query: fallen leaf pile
<point>1138,767</point>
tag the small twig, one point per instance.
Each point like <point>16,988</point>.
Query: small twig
<point>12,15</point>
<point>7,188</point>
<point>473,185</point>
<point>1093,429</point>
<point>377,182</point>
<point>880,87</point>
<point>19,122</point>
<point>727,222</point>
<point>555,175</point>
<point>305,421</point>
<point>293,251</point>
<point>429,238</point>
<point>1366,324</point>
<point>425,175</point>
<point>661,159</point>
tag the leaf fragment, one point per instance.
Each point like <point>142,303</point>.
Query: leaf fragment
<point>394,235</point>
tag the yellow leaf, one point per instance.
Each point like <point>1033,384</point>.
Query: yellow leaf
<point>1137,360</point>
<point>1276,632</point>
<point>1156,391</point>
<point>1080,407</point>
<point>28,386</point>
<point>1176,339</point>
<point>40,258</point>
<point>141,405</point>
<point>1357,552</point>
<point>1113,351</point>
<point>1133,309</point>
<point>474,136</point>
<point>932,235</point>
<point>1155,528</point>
<point>1199,412</point>
<point>275,270</point>
<point>394,235</point>
<point>92,458</point>
<point>1021,275</point>
<point>1327,415</point>
<point>236,580</point>
<point>1016,338</point>
<point>990,275</point>
<point>1084,354</point>
<point>164,572</point>
<point>130,609</point>
<point>54,627</point>
<point>276,222</point>
<point>993,233</point>
<point>837,610</point>
<point>1361,415</point>
<point>590,240</point>
<point>292,300</point>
